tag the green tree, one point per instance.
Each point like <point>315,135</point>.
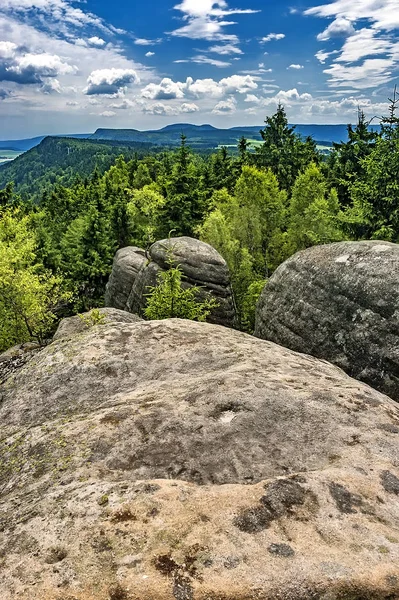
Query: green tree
<point>144,212</point>
<point>345,165</point>
<point>313,212</point>
<point>283,151</point>
<point>169,299</point>
<point>28,292</point>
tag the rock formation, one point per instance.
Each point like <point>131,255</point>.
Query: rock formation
<point>127,263</point>
<point>99,316</point>
<point>339,302</point>
<point>177,460</point>
<point>202,266</point>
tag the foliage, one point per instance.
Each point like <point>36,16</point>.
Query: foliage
<point>28,293</point>
<point>283,151</point>
<point>169,299</point>
<point>75,202</point>
<point>313,212</point>
<point>94,317</point>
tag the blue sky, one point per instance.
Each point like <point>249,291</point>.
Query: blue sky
<point>70,67</point>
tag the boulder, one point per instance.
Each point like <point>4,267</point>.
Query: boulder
<point>98,316</point>
<point>339,302</point>
<point>127,263</point>
<point>201,266</point>
<point>173,459</point>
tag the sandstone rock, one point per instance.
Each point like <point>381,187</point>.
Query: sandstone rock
<point>172,459</point>
<point>201,265</point>
<point>78,323</point>
<point>339,302</point>
<point>127,263</point>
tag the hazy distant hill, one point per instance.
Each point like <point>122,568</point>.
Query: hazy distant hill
<point>207,136</point>
<point>58,161</point>
<point>199,136</point>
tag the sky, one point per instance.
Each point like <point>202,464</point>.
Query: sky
<point>72,67</point>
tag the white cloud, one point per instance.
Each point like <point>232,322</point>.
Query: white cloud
<point>96,41</point>
<point>149,54</point>
<point>252,98</point>
<point>205,60</point>
<point>373,44</point>
<point>225,107</point>
<point>295,66</point>
<point>189,108</point>
<point>107,113</point>
<point>340,27</point>
<point>226,49</point>
<point>19,66</point>
<point>124,104</point>
<point>273,37</point>
<point>145,42</point>
<point>109,81</point>
<point>373,72</point>
<point>205,20</point>
<point>167,89</point>
<point>166,110</point>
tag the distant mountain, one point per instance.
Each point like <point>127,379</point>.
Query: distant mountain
<point>200,137</point>
<point>57,160</point>
<point>24,145</point>
<point>207,136</point>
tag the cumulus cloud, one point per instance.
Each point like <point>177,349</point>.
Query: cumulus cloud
<point>295,66</point>
<point>107,113</point>
<point>205,19</point>
<point>189,107</point>
<point>340,27</point>
<point>165,110</point>
<point>110,81</point>
<point>149,54</point>
<point>225,107</point>
<point>19,66</point>
<point>96,41</point>
<point>167,89</point>
<point>272,37</point>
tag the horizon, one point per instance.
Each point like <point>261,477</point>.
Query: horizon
<point>188,124</point>
<point>84,66</point>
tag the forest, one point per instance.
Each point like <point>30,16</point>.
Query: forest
<point>60,224</point>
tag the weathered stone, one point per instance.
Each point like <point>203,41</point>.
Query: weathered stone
<point>201,265</point>
<point>101,316</point>
<point>339,302</point>
<point>231,467</point>
<point>127,263</point>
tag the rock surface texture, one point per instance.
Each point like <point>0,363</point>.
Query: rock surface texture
<point>127,263</point>
<point>172,460</point>
<point>339,302</point>
<point>99,316</point>
<point>202,266</point>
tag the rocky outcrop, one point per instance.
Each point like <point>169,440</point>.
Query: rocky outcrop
<point>339,302</point>
<point>179,460</point>
<point>98,316</point>
<point>201,265</point>
<point>127,263</point>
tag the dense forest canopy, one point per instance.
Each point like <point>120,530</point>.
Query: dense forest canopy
<point>64,216</point>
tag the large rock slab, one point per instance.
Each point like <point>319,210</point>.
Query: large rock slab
<point>339,302</point>
<point>127,263</point>
<point>70,326</point>
<point>133,275</point>
<point>178,460</point>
